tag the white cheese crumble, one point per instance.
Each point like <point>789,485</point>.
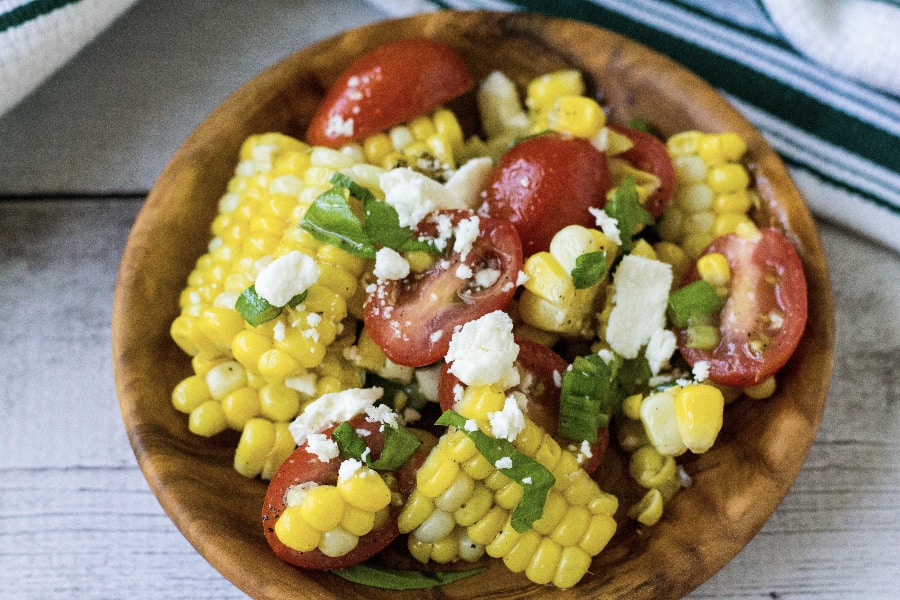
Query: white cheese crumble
<point>321,446</point>
<point>337,126</point>
<point>470,425</point>
<point>331,409</point>
<point>469,179</point>
<point>485,278</point>
<point>285,277</point>
<point>466,234</point>
<point>607,224</point>
<point>305,383</point>
<point>639,304</point>
<point>381,413</point>
<point>390,264</point>
<point>700,371</point>
<point>415,195</point>
<point>348,469</point>
<point>508,422</point>
<point>660,348</point>
<point>483,351</point>
<point>503,463</point>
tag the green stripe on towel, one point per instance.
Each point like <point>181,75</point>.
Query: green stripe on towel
<point>30,11</point>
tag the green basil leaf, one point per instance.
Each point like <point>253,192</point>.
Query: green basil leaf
<point>399,446</point>
<point>355,190</point>
<point>626,208</point>
<point>350,444</point>
<point>255,309</point>
<point>589,269</point>
<point>524,468</point>
<point>394,579</point>
<point>330,220</point>
<point>591,393</point>
<point>641,125</point>
<point>692,302</point>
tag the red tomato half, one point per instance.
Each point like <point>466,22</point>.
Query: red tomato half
<point>412,319</point>
<point>765,314</point>
<point>541,370</point>
<point>544,183</point>
<point>650,154</point>
<point>385,87</point>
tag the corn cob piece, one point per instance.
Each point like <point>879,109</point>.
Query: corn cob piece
<point>462,500</point>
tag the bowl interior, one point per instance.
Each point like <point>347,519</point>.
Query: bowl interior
<point>736,486</point>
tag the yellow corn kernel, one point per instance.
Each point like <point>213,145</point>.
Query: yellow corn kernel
<point>542,566</point>
<point>478,467</point>
<point>478,401</point>
<point>566,470</point>
<point>729,223</point>
<point>445,550</point>
<point>684,143</point>
<point>337,542</point>
<point>644,249</point>
<point>727,178</point>
<point>475,507</point>
<point>651,469</point>
<point>509,495</point>
<point>240,406</point>
<point>714,269</point>
<point>257,440</point>
<point>337,280</point>
<point>572,241</point>
<point>323,507</point>
<point>365,490</point>
<point>578,115</point>
<point>582,489</point>
<point>421,127</point>
<point>694,243</point>
<point>446,124</point>
<point>548,452</point>
<point>549,316</point>
<point>294,532</point>
<point>517,559</point>
<point>496,480</point>
<point>302,344</point>
<point>458,446</point>
<point>694,198</point>
<point>277,365</point>
<point>501,545</point>
<point>436,474</point>
<point>207,419</point>
<point>484,530</point>
<point>441,148</point>
<point>547,279</point>
<point>631,435</point>
<point>417,508</point>
<point>598,533</point>
<point>190,393</point>
<point>322,300</point>
<point>763,390</point>
<point>698,412</point>
<point>738,202</point>
<point>202,364</point>
<point>572,527</point>
<point>689,169</point>
<point>356,521</point>
<point>529,439</point>
<point>282,448</point>
<point>631,406</point>
<point>648,510</point>
<point>247,346</point>
<point>419,550</point>
<point>437,526</point>
<point>554,510</point>
<point>543,91</point>
<point>457,494</point>
<point>277,402</point>
<point>704,337</point>
<point>573,564</point>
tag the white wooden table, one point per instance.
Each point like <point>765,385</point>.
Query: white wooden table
<point>77,519</point>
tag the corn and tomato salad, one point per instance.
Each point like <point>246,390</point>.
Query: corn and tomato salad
<point>603,327</point>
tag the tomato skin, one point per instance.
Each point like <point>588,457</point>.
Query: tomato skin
<point>752,297</point>
<point>413,319</point>
<point>301,467</point>
<point>544,183</point>
<point>387,86</point>
<point>543,368</point>
<point>650,154</point>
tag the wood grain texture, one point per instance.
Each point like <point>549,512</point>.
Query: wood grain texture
<point>737,485</point>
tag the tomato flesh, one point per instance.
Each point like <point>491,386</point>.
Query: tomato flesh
<point>650,154</point>
<point>544,183</point>
<point>387,86</point>
<point>413,319</point>
<point>542,370</point>
<point>765,314</point>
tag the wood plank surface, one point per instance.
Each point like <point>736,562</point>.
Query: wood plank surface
<point>77,519</point>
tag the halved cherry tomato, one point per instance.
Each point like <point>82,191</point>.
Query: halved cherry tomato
<point>542,370</point>
<point>765,314</point>
<point>302,466</point>
<point>385,87</point>
<point>544,183</point>
<point>650,154</point>
<point>412,319</point>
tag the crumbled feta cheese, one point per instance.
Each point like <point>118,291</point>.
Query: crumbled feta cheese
<point>464,271</point>
<point>321,446</point>
<point>660,348</point>
<point>584,452</point>
<point>483,351</point>
<point>331,409</point>
<point>701,371</point>
<point>381,413</point>
<point>470,425</point>
<point>503,463</point>
<point>415,195</point>
<point>608,225</point>
<point>509,422</point>
<point>639,304</point>
<point>305,383</point>
<point>485,278</point>
<point>348,469</point>
<point>337,126</point>
<point>278,331</point>
<point>526,480</point>
<point>390,264</point>
<point>469,179</point>
<point>521,278</point>
<point>466,234</point>
<point>285,277</point>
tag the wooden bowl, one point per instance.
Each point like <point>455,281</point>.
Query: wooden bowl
<point>736,485</point>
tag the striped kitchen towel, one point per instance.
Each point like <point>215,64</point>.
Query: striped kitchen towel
<point>819,78</point>
<point>39,36</point>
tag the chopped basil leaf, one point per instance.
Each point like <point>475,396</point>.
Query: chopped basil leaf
<point>355,190</point>
<point>331,221</point>
<point>256,310</point>
<point>394,579</point>
<point>626,208</point>
<point>641,125</point>
<point>590,394</point>
<point>692,302</point>
<point>399,446</point>
<point>531,505</point>
<point>350,444</point>
<point>589,269</point>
